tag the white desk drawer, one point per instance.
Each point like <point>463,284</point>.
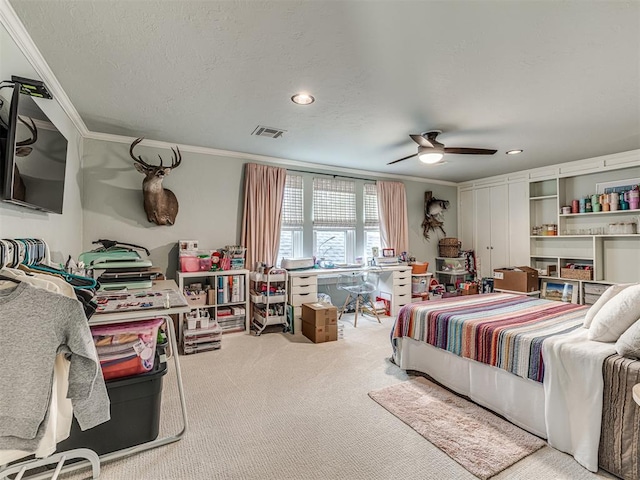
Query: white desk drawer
<point>401,280</point>
<point>298,299</point>
<point>299,289</point>
<point>404,289</point>
<point>402,299</point>
<point>306,280</point>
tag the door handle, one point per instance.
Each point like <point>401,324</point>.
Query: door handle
<point>491,248</point>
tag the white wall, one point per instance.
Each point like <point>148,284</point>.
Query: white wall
<point>210,193</point>
<point>62,232</point>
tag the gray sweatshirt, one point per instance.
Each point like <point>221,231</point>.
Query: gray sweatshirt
<point>35,325</point>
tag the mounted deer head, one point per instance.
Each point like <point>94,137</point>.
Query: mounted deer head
<point>160,204</point>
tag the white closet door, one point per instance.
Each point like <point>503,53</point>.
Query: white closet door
<point>499,247</point>
<point>519,243</point>
<point>467,215</point>
<point>483,230</point>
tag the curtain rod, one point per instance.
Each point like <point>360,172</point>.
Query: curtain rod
<point>334,175</point>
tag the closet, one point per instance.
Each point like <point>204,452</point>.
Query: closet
<point>491,220</point>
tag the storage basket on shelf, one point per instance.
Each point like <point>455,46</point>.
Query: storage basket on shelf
<point>449,247</point>
<point>576,274</point>
<point>418,268</point>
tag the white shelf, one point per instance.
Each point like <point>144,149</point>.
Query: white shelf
<point>611,212</point>
<point>543,197</point>
<point>268,298</point>
<point>267,277</point>
<point>186,278</point>
<point>453,273</point>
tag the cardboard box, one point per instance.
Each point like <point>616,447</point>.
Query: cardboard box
<point>518,279</point>
<point>324,333</point>
<point>469,289</point>
<point>319,314</point>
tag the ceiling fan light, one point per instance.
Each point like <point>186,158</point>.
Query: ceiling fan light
<point>431,158</point>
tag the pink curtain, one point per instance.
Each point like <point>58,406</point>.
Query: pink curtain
<point>263,195</point>
<point>392,209</point>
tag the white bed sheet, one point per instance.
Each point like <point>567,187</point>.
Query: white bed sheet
<point>519,400</point>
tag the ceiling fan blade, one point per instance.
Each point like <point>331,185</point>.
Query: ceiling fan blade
<point>420,140</point>
<point>470,151</point>
<point>401,159</point>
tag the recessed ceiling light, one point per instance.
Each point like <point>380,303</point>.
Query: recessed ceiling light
<point>303,99</point>
<point>514,152</point>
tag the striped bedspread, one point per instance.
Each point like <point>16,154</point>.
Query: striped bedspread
<point>499,329</point>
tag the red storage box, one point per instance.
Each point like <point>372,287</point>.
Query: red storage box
<point>126,349</point>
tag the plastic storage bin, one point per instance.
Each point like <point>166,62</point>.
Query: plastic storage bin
<point>135,415</point>
<point>126,348</point>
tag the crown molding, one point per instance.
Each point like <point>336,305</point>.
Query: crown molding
<point>18,32</point>
<point>108,137</point>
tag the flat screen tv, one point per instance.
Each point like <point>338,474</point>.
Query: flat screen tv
<point>34,153</point>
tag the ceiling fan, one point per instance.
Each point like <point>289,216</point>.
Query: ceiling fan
<point>430,151</point>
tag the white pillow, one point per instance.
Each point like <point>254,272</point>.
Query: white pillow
<point>628,345</point>
<point>607,295</point>
<point>616,315</point>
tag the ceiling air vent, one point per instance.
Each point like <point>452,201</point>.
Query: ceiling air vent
<point>270,132</point>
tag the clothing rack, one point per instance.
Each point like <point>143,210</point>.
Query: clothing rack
<point>33,252</point>
<point>58,458</point>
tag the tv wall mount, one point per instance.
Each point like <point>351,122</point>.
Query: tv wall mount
<point>33,88</point>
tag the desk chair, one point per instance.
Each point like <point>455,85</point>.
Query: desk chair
<point>360,286</point>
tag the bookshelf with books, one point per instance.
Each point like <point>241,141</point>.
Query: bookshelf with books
<point>223,294</point>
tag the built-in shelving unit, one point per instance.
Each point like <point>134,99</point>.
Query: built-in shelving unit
<point>583,238</point>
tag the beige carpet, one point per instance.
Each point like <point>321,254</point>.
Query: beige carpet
<point>280,407</point>
<point>481,442</point>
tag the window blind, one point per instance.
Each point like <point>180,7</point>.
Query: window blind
<point>334,203</point>
<point>292,204</point>
<point>371,219</point>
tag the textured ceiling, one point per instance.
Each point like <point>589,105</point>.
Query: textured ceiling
<point>560,80</point>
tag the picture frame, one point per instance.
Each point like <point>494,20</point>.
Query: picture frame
<point>559,290</point>
<point>617,185</point>
<point>388,252</point>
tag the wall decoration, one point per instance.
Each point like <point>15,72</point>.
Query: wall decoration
<point>433,214</point>
<point>160,204</point>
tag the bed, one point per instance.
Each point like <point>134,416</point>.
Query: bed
<point>530,361</point>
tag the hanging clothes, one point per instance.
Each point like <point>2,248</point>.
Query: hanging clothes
<point>35,325</point>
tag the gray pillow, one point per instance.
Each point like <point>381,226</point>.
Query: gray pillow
<point>628,345</point>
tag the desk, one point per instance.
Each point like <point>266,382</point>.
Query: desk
<point>303,286</point>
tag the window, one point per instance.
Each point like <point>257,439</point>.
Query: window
<point>292,219</point>
<point>334,219</point>
<point>371,220</point>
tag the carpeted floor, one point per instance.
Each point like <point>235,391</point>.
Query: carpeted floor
<point>280,407</point>
<point>480,441</point>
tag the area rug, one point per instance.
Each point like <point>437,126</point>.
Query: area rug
<point>478,440</point>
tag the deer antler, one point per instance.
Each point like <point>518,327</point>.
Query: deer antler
<point>176,157</point>
<point>138,159</point>
<point>32,128</point>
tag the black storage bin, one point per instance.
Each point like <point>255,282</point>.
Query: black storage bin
<point>135,414</point>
